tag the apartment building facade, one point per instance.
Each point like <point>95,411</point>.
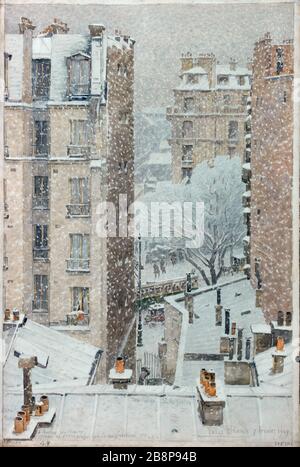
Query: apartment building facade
<point>207,118</point>
<point>268,172</point>
<point>69,149</point>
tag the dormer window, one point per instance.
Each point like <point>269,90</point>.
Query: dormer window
<point>223,79</point>
<point>192,79</point>
<point>79,66</point>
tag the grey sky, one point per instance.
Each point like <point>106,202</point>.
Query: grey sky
<point>163,32</point>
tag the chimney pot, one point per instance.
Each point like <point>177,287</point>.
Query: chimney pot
<point>96,30</point>
<point>25,24</point>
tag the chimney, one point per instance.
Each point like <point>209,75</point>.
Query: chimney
<point>219,296</point>
<point>231,348</point>
<point>98,61</point>
<point>208,62</point>
<point>26,28</point>
<point>240,344</point>
<point>227,320</point>
<point>96,30</point>
<point>232,64</point>
<point>288,318</point>
<point>280,318</point>
<point>57,27</point>
<point>27,363</point>
<point>248,349</point>
<point>186,61</point>
<point>278,356</point>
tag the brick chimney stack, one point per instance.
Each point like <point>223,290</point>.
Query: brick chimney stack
<point>26,28</point>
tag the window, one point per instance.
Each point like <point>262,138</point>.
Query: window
<point>188,104</point>
<point>244,99</point>
<point>79,195</point>
<point>187,129</point>
<point>124,117</point>
<point>41,138</point>
<point>223,79</point>
<point>187,152</point>
<point>279,60</point>
<point>40,301</point>
<point>280,318</point>
<point>233,130</point>
<point>227,99</point>
<point>192,79</point>
<point>81,299</point>
<point>40,241</point>
<point>41,78</point>
<point>78,132</point>
<point>288,319</point>
<point>241,80</point>
<point>123,167</point>
<point>283,97</point>
<point>79,75</point>
<point>40,192</point>
<point>79,253</point>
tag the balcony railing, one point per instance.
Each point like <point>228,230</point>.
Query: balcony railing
<point>40,202</point>
<point>78,210</point>
<point>78,265</point>
<point>76,318</point>
<point>41,150</point>
<point>40,305</point>
<point>40,253</point>
<point>187,163</point>
<point>78,151</point>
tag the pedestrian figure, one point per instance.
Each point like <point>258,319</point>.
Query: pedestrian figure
<point>156,270</point>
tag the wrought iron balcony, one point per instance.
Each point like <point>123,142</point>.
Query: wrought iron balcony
<point>78,265</point>
<point>78,210</point>
<point>40,252</point>
<point>40,305</point>
<point>41,150</point>
<point>78,151</point>
<point>40,202</point>
<point>77,318</point>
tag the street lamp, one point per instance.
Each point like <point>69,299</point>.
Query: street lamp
<point>140,325</point>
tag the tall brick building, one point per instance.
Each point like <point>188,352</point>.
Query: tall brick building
<point>267,172</point>
<point>68,148</point>
<point>209,111</point>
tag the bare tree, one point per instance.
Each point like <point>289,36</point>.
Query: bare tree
<point>220,188</point>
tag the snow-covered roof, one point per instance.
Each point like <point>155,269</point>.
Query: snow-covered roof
<point>203,336</point>
<point>56,48</point>
<point>238,71</point>
<point>49,345</point>
<point>159,158</point>
<point>197,70</point>
<point>101,414</point>
<point>261,328</point>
